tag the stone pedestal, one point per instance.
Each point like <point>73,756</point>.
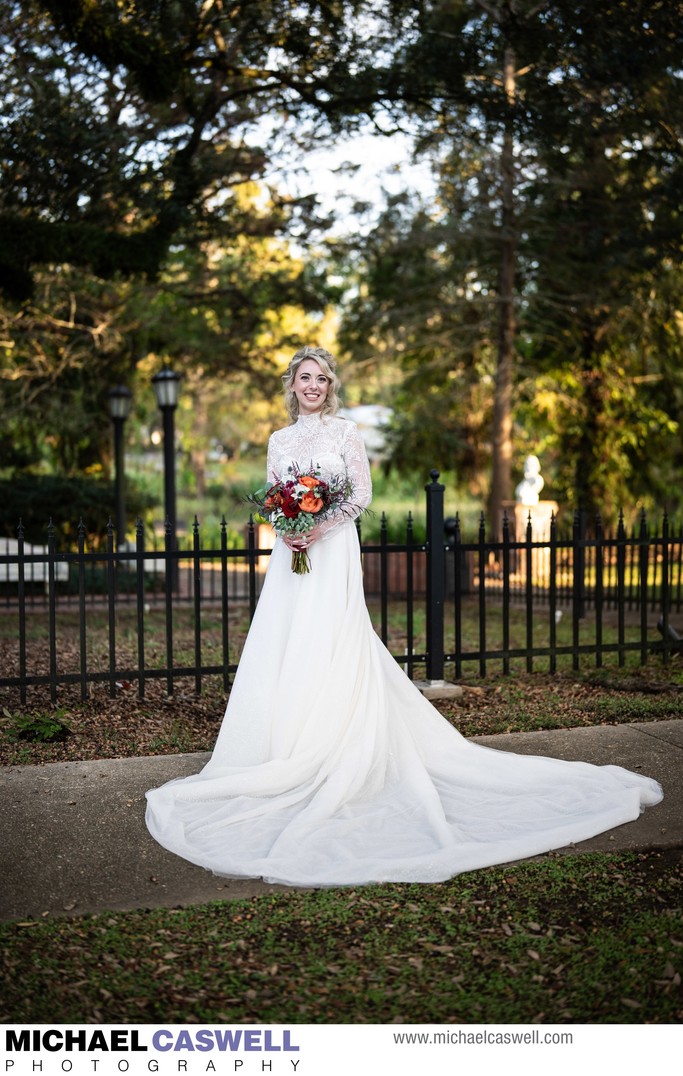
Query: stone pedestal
<point>518,518</point>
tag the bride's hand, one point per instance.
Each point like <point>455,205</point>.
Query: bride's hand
<point>300,541</point>
<point>296,541</point>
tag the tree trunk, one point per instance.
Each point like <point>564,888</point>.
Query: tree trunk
<point>501,434</point>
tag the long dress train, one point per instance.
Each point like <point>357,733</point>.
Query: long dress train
<point>332,769</point>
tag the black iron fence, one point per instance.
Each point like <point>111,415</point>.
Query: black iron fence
<point>445,607</point>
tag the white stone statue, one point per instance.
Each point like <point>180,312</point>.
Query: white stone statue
<point>531,485</point>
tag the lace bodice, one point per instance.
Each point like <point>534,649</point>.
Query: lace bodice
<point>335,446</point>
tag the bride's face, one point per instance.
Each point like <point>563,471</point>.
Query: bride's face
<point>310,387</point>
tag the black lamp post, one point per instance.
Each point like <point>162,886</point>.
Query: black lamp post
<point>119,408</point>
<point>166,384</point>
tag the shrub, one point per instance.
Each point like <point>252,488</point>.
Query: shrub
<point>37,728</point>
<point>36,498</point>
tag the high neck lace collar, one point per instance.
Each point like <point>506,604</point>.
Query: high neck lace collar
<point>309,420</point>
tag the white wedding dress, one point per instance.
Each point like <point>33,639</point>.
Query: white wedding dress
<point>332,769</point>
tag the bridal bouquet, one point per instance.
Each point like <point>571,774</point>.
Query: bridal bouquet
<point>296,504</point>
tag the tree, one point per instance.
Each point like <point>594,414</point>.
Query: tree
<point>129,136</point>
<point>458,78</point>
<point>129,124</point>
<point>215,312</point>
<point>131,133</point>
<point>606,245</point>
<point>565,165</point>
<point>420,312</point>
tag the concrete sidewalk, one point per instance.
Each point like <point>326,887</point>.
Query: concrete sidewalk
<point>74,839</point>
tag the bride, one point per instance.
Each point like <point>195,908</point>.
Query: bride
<point>330,767</point>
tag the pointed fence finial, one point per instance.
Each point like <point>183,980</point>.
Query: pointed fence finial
<point>621,529</point>
<point>643,523</point>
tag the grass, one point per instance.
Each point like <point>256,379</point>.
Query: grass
<point>590,938</point>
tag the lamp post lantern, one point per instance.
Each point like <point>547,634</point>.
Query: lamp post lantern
<point>119,409</point>
<point>166,385</point>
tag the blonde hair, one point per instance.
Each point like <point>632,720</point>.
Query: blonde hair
<point>327,364</point>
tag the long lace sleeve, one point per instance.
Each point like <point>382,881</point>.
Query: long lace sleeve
<point>358,472</point>
<point>270,462</point>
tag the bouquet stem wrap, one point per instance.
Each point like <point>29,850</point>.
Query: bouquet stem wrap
<point>301,564</point>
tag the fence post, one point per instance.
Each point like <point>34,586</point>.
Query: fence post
<point>197,604</point>
<point>383,580</point>
<point>225,636</point>
<point>577,586</point>
<point>52,609</point>
<point>251,562</point>
<point>459,568</point>
<point>481,593</point>
<point>169,546</point>
<point>436,578</point>
<point>140,601</point>
<point>111,607</point>
<point>621,579</point>
<point>529,594</point>
<point>410,634</point>
<point>644,544</point>
<point>599,589</point>
<point>21,593</point>
<point>665,597</point>
<point>552,595</point>
<point>83,649</point>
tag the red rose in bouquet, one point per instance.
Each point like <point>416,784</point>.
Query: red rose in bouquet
<point>290,506</point>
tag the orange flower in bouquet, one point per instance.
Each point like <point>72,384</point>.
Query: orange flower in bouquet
<point>310,503</point>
